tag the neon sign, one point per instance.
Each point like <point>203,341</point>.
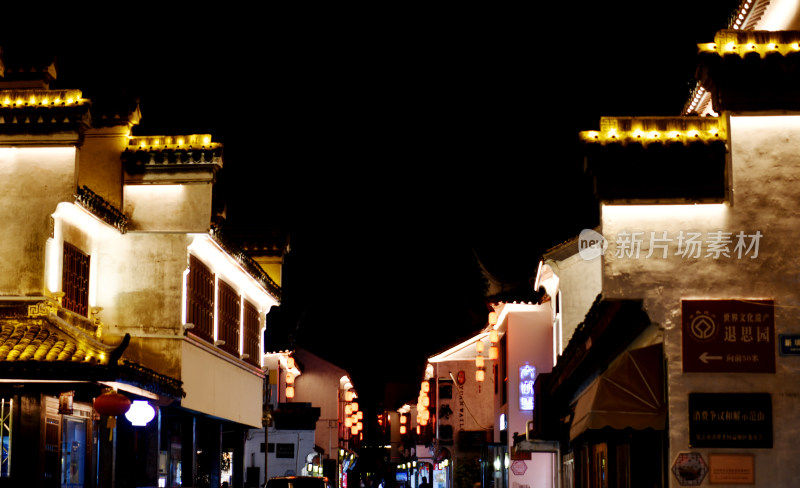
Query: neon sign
<point>527,375</point>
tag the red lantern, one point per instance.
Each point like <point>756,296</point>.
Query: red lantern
<point>112,403</point>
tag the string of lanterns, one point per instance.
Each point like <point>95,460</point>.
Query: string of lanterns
<point>352,415</point>
<point>494,351</point>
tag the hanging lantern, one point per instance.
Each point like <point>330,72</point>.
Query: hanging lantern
<point>359,415</point>
<point>494,336</point>
<point>480,375</point>
<point>402,429</point>
<point>348,409</point>
<point>289,378</point>
<point>402,419</point>
<point>140,413</point>
<point>479,347</point>
<point>492,317</point>
<point>493,352</point>
<point>355,406</point>
<point>426,387</point>
<point>290,391</point>
<point>419,431</point>
<point>349,395</point>
<point>354,430</point>
<point>479,361</point>
<point>290,363</point>
<point>348,422</point>
<point>426,402</point>
<point>112,404</point>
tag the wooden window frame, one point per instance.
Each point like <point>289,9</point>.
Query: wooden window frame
<point>75,280</point>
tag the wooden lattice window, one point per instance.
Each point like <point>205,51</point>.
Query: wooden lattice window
<point>200,299</point>
<point>252,341</point>
<point>75,280</point>
<point>229,318</point>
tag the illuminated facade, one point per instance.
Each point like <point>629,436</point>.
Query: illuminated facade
<point>116,276</point>
<point>684,371</point>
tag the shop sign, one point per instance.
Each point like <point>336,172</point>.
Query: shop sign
<point>728,336</point>
<point>789,344</point>
<point>731,469</point>
<point>527,376</point>
<point>731,420</point>
<point>689,469</point>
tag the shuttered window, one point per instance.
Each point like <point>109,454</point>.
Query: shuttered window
<point>251,329</point>
<point>229,309</point>
<point>75,280</point>
<point>200,299</point>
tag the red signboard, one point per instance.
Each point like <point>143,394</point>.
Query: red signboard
<point>728,336</point>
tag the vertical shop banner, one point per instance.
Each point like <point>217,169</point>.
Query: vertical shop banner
<point>728,336</point>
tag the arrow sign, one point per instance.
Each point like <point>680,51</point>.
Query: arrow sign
<point>705,357</point>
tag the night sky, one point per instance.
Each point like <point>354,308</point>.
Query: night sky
<point>397,146</point>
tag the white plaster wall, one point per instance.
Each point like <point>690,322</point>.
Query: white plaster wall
<point>765,164</point>
<point>216,387</point>
<point>319,385</point>
<point>32,183</point>
<point>165,207</point>
<point>302,439</point>
<point>529,338</point>
<point>580,281</point>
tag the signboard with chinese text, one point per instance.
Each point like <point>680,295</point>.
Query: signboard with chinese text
<point>527,376</point>
<point>734,420</point>
<point>789,344</point>
<point>728,336</point>
<point>735,469</point>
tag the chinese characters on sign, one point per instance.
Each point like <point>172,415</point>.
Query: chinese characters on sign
<point>527,375</point>
<point>739,420</point>
<point>687,245</point>
<point>728,336</point>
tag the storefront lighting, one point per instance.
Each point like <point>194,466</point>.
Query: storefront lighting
<point>140,413</point>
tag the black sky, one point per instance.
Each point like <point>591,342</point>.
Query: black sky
<point>396,144</point>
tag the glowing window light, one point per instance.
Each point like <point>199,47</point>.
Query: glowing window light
<point>140,413</point>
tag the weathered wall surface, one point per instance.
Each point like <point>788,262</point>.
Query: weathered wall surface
<point>32,181</point>
<point>765,167</point>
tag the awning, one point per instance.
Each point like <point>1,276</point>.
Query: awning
<point>629,394</point>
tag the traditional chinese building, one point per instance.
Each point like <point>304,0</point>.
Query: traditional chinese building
<point>116,276</point>
<point>684,371</point>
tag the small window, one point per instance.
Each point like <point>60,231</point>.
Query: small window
<point>230,310</point>
<point>75,280</point>
<point>252,341</point>
<point>200,299</point>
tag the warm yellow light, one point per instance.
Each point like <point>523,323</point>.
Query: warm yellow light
<point>290,392</point>
<point>354,405</point>
<point>354,430</point>
<point>494,336</point>
<point>360,415</point>
<point>402,429</point>
<point>492,317</point>
<point>348,410</point>
<point>348,422</point>
<point>360,426</point>
<point>290,363</point>
<point>426,387</point>
<point>493,353</point>
<point>419,431</point>
<point>403,419</point>
<point>480,375</point>
<point>349,395</point>
<point>479,346</point>
<point>479,361</point>
<point>289,378</point>
<point>426,402</point>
